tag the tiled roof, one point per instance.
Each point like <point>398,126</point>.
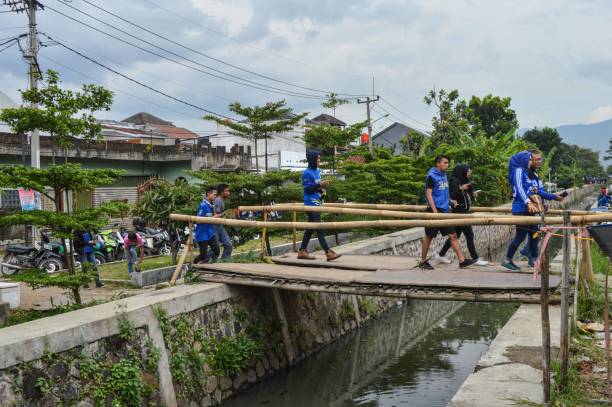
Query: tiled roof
<point>175,132</point>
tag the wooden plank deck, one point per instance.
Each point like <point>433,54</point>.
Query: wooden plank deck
<point>393,276</point>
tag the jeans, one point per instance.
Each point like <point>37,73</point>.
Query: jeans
<point>90,258</point>
<point>132,259</point>
<point>469,238</point>
<point>203,256</point>
<point>523,231</point>
<point>222,237</point>
<point>314,217</point>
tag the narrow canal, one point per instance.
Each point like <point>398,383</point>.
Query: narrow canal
<point>418,354</point>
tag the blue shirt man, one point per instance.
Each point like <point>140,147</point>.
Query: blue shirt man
<point>437,196</point>
<point>204,232</point>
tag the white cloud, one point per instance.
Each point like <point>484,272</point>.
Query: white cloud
<point>234,14</point>
<point>600,114</point>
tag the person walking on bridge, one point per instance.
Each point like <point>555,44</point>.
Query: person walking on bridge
<point>313,196</point>
<point>438,201</point>
<point>205,232</point>
<point>462,194</point>
<point>604,200</point>
<point>525,197</point>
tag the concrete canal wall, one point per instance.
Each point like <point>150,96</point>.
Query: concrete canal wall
<point>188,345</point>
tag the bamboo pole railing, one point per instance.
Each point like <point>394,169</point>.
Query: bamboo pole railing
<point>418,208</point>
<point>395,223</point>
<point>375,212</point>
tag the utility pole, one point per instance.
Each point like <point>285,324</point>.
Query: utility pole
<point>367,101</point>
<point>31,57</point>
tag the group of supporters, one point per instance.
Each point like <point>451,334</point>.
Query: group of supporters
<point>441,196</point>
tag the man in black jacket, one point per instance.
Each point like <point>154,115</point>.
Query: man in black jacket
<point>462,194</point>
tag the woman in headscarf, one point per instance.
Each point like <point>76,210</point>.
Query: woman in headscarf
<point>461,194</point>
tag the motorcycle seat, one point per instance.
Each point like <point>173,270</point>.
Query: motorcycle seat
<point>19,248</point>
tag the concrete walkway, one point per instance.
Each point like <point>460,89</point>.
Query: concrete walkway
<point>510,371</point>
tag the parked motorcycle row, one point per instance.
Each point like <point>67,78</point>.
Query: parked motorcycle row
<point>50,254</point>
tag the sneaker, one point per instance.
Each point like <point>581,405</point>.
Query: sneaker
<point>531,262</point>
<point>425,265</point>
<point>466,263</point>
<point>100,285</point>
<point>507,263</point>
<point>442,259</point>
<point>480,262</point>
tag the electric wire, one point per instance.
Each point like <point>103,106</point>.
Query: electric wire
<point>236,79</point>
<point>135,80</point>
<point>209,56</point>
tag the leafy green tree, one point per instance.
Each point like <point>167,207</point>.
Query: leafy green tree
<point>329,138</point>
<point>491,115</point>
<point>544,138</point>
<point>333,101</point>
<point>412,143</point>
<point>255,189</point>
<point>450,120</point>
<point>488,157</point>
<point>61,179</point>
<point>260,123</point>
<point>63,113</point>
<point>393,179</point>
<point>608,155</point>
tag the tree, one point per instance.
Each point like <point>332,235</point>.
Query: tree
<point>330,138</point>
<point>261,123</point>
<point>544,138</point>
<point>333,101</point>
<point>61,179</point>
<point>253,189</point>
<point>450,120</point>
<point>608,155</point>
<point>63,113</point>
<point>412,143</point>
<point>491,115</point>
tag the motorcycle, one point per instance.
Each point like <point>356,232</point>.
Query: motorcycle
<point>47,257</point>
<point>157,241</point>
<point>108,238</point>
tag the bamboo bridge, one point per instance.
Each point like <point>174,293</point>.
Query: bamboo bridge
<point>393,276</point>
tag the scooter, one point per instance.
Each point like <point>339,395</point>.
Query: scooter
<point>19,257</point>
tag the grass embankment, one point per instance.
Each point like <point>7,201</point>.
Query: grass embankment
<point>587,373</point>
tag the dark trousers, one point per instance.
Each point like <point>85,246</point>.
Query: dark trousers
<point>314,217</point>
<point>91,259</point>
<point>523,231</point>
<point>203,246</point>
<point>468,232</point>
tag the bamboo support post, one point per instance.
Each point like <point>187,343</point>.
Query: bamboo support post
<point>607,330</point>
<point>587,262</point>
<point>294,231</point>
<point>577,277</point>
<point>545,327</point>
<point>186,250</point>
<point>262,248</point>
<point>565,272</point>
<point>280,310</point>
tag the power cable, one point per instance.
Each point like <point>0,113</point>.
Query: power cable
<point>294,61</point>
<point>384,100</point>
<point>249,83</point>
<point>122,64</point>
<point>136,81</point>
<point>209,56</point>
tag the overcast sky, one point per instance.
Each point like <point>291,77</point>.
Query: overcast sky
<point>552,57</point>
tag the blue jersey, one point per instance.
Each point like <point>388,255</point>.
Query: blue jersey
<point>438,182</point>
<point>205,231</point>
<point>311,183</point>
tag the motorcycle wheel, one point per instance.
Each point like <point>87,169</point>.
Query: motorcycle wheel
<point>99,259</point>
<point>50,265</point>
<point>165,250</point>
<point>6,270</point>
